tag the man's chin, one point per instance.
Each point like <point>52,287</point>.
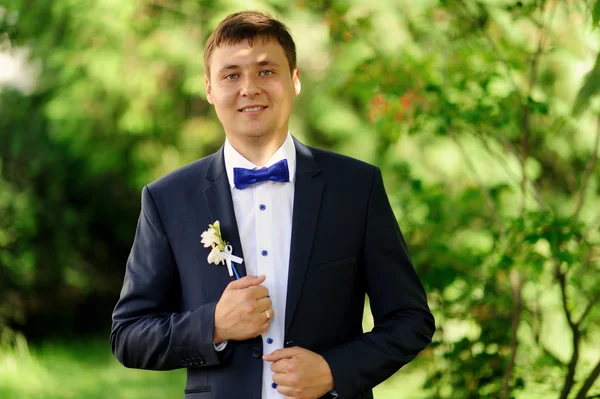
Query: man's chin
<point>253,134</point>
<point>257,133</point>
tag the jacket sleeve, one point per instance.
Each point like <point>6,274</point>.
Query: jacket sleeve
<point>403,324</point>
<point>147,330</point>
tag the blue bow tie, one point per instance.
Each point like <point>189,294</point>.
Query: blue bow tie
<point>243,178</point>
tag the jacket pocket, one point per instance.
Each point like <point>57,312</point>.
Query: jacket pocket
<point>198,389</point>
<point>342,261</point>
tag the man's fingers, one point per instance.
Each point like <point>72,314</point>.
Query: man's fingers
<point>264,327</point>
<point>264,304</point>
<point>257,291</point>
<point>268,314</point>
<point>281,366</point>
<point>286,391</point>
<point>285,353</point>
<point>245,282</point>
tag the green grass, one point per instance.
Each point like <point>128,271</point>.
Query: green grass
<point>61,370</point>
<point>56,370</point>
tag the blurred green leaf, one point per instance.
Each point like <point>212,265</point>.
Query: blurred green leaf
<point>589,89</point>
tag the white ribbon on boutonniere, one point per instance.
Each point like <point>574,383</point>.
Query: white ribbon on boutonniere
<point>221,251</point>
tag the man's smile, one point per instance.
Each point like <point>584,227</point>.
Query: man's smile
<point>252,108</point>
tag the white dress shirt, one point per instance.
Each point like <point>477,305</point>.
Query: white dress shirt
<point>263,213</point>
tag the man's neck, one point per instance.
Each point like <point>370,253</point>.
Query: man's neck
<point>256,149</point>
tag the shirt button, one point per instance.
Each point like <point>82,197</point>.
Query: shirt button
<point>274,385</point>
<point>264,253</point>
<point>269,340</point>
<point>263,207</point>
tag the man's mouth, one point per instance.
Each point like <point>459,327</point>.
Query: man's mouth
<point>252,109</point>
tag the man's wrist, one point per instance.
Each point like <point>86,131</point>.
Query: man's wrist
<point>329,373</point>
<point>217,338</point>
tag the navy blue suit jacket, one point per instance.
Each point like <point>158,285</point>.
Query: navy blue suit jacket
<point>345,243</point>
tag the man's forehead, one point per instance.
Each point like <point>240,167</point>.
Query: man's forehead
<point>248,45</point>
<point>246,53</point>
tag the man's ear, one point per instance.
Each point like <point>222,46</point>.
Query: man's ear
<point>296,81</point>
<point>209,95</point>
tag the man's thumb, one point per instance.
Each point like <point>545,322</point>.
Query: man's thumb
<point>246,282</point>
<point>285,353</point>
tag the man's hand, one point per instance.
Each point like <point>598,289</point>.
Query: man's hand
<point>241,313</point>
<point>300,373</point>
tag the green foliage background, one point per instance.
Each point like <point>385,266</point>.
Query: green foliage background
<point>482,114</point>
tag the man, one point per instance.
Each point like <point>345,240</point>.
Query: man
<point>314,229</point>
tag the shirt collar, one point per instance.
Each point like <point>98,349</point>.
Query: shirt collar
<point>233,159</point>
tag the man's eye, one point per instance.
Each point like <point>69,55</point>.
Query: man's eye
<point>231,76</point>
<point>266,72</point>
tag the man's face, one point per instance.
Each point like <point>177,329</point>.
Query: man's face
<point>252,89</point>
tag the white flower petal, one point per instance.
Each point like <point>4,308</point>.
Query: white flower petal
<point>209,238</point>
<point>212,238</point>
<point>220,257</point>
<point>213,256</point>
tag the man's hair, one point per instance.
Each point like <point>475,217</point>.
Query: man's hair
<point>250,25</point>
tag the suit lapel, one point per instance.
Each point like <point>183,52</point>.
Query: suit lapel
<point>220,206</point>
<point>307,202</point>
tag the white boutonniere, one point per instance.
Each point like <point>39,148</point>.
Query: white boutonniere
<point>221,252</point>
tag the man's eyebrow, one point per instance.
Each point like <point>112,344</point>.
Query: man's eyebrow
<point>267,62</point>
<point>230,67</point>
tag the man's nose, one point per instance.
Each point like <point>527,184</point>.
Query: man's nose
<point>250,86</point>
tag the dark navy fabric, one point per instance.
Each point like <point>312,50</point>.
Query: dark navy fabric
<point>346,244</point>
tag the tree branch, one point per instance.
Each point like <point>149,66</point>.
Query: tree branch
<point>492,44</point>
<point>196,16</point>
<point>525,125</point>
<point>589,381</point>
<point>486,194</point>
<point>588,308</point>
<point>586,264</point>
<point>562,281</point>
<point>535,327</point>
<point>576,338</point>
<point>511,149</point>
<point>516,282</point>
<point>588,171</point>
<point>525,131</point>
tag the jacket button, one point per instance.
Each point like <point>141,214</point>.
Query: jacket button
<point>256,352</point>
